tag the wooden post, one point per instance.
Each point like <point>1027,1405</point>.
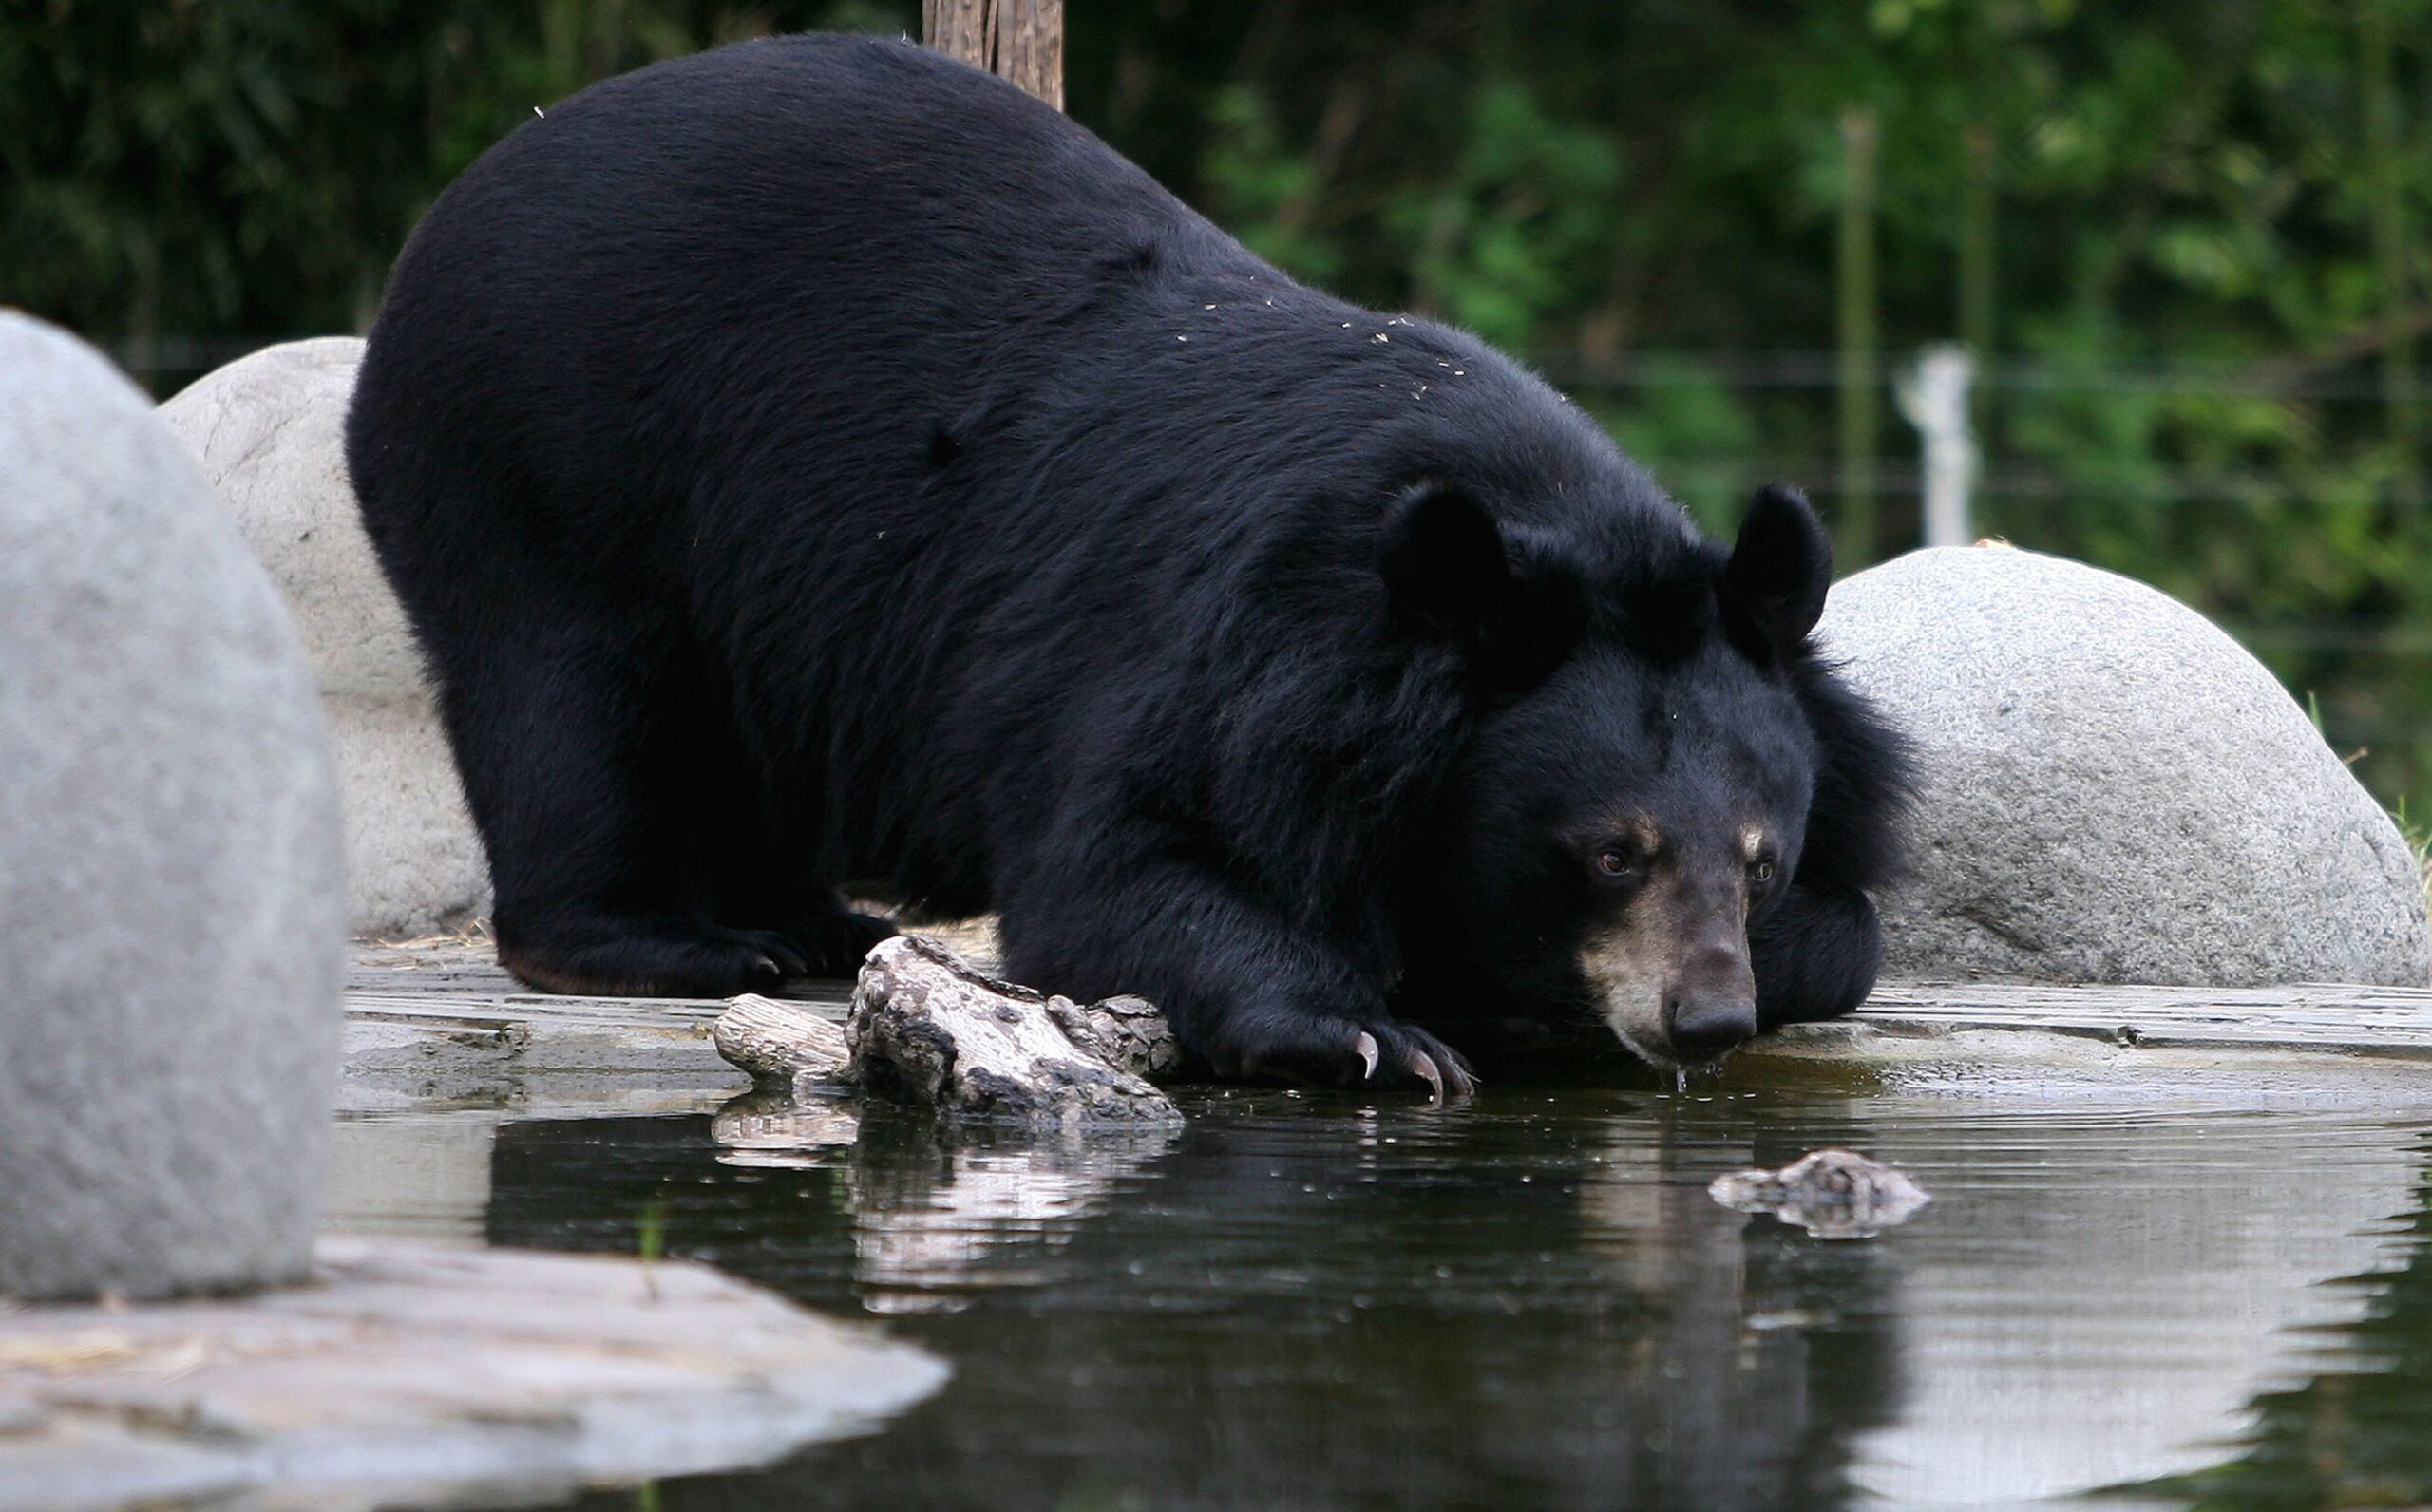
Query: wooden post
<point>1933,395</point>
<point>1020,40</point>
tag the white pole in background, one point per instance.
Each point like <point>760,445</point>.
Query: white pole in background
<point>1933,396</point>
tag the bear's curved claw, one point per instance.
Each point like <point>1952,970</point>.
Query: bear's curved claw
<point>1447,1074</point>
<point>1416,1058</point>
<point>777,955</point>
<point>1318,1049</point>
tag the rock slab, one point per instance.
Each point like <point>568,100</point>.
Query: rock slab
<point>169,861</point>
<point>2114,790</point>
<point>419,1375</point>
<point>270,430</point>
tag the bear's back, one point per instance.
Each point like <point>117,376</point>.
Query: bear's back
<point>750,180</point>
<point>885,230</point>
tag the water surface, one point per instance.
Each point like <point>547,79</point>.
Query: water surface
<point>1306,1300</point>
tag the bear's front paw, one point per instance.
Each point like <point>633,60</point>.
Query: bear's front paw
<point>1329,1049</point>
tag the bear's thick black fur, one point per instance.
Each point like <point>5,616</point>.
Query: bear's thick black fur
<point>816,461</point>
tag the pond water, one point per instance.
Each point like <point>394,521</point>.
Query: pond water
<point>2170,1297</point>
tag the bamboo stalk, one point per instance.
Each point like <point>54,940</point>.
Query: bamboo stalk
<point>2389,250</point>
<point>1858,400</point>
<point>1979,269</point>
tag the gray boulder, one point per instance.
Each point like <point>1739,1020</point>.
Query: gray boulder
<point>270,431</point>
<point>2114,790</point>
<point>169,861</point>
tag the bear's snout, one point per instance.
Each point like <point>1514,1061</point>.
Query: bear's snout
<point>1710,1005</point>
<point>1675,992</point>
<point>1705,1025</point>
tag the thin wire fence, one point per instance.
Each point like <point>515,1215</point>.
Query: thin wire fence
<point>2372,668</point>
<point>2305,518</point>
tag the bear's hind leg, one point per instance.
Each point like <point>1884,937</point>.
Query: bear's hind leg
<point>833,938</point>
<point>571,773</point>
<point>646,955</point>
<point>755,882</point>
<point>752,843</point>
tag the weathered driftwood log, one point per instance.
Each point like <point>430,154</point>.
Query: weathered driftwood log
<point>926,1027</point>
<point>786,1046</point>
<point>1127,1031</point>
<point>1832,1194</point>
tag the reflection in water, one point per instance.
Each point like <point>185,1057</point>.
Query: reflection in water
<point>935,1220</point>
<point>2354,1435</point>
<point>1743,1331</point>
<point>938,1214</point>
<point>1294,1302</point>
<point>2107,1292</point>
<point>1297,1301</point>
<point>411,1177</point>
<point>771,1129</point>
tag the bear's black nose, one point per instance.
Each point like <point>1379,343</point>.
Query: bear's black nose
<point>1703,1026</point>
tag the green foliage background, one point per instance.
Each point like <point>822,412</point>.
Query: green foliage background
<point>2187,239</point>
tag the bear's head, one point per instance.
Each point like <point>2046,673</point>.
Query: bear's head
<point>1634,792</point>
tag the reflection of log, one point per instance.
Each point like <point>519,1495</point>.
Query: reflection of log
<point>926,1027</point>
<point>944,1211</point>
<point>778,1130</point>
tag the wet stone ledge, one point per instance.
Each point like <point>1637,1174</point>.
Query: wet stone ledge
<point>439,1022</point>
<point>408,1374</point>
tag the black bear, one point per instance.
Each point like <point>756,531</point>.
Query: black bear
<point>815,461</point>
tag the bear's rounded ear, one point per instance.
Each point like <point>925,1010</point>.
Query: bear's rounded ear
<point>1442,558</point>
<point>1781,566</point>
<point>1514,606</point>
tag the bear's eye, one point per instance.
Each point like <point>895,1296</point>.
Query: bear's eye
<point>1760,872</point>
<point>1611,862</point>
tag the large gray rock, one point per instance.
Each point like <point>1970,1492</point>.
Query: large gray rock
<point>2115,792</point>
<point>169,861</point>
<point>269,430</point>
